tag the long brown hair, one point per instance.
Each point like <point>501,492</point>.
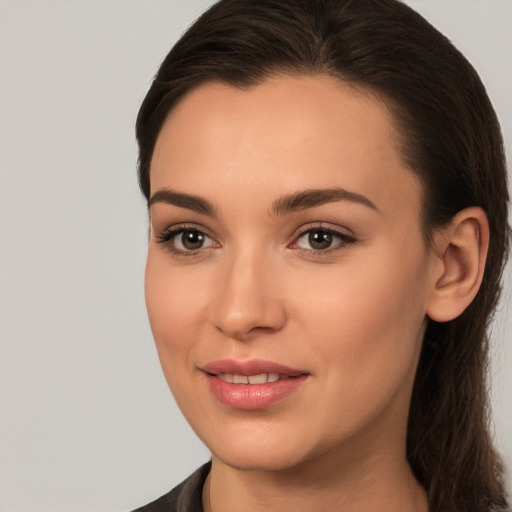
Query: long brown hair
<point>450,138</point>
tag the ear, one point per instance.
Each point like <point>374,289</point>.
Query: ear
<point>461,251</point>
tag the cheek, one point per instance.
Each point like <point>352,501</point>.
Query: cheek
<point>174,307</point>
<point>368,318</point>
<point>174,311</point>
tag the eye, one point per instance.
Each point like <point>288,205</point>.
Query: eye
<point>191,240</point>
<point>185,240</point>
<point>322,240</point>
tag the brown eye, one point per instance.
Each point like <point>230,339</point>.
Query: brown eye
<point>320,240</point>
<point>185,241</point>
<point>190,240</point>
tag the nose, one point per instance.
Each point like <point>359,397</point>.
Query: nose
<point>248,301</point>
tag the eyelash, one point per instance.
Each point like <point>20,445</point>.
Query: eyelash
<point>166,238</point>
<point>345,240</point>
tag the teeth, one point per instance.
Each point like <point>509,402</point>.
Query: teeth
<point>258,379</point>
<point>261,378</point>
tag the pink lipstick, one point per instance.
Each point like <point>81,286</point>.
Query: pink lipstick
<point>253,384</point>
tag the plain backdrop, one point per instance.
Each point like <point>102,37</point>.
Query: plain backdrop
<point>86,420</point>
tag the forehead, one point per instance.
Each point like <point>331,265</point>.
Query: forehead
<point>285,134</point>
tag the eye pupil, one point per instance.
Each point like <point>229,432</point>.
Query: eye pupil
<point>192,240</point>
<point>320,239</point>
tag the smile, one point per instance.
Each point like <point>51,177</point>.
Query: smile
<point>261,378</point>
<point>252,385</point>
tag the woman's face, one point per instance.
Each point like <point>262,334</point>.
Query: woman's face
<point>287,278</point>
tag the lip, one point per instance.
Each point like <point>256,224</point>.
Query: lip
<point>252,396</point>
<point>250,367</point>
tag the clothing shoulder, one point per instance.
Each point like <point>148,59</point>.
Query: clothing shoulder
<point>185,497</point>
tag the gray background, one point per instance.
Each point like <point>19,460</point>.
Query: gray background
<point>86,420</point>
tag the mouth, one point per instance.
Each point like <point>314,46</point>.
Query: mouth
<point>261,378</point>
<point>251,368</point>
<point>252,385</point>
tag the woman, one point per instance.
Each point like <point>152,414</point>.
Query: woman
<point>328,202</point>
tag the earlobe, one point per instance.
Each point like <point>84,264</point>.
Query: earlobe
<point>461,253</point>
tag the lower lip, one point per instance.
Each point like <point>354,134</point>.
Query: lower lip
<point>251,397</point>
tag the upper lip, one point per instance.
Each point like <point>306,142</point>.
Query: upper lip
<point>250,367</point>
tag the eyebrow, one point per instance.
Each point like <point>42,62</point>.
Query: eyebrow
<point>282,206</point>
<point>317,197</point>
<point>189,201</point>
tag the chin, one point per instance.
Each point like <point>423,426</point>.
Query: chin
<point>259,459</point>
<point>259,449</point>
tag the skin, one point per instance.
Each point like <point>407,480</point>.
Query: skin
<point>353,316</point>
